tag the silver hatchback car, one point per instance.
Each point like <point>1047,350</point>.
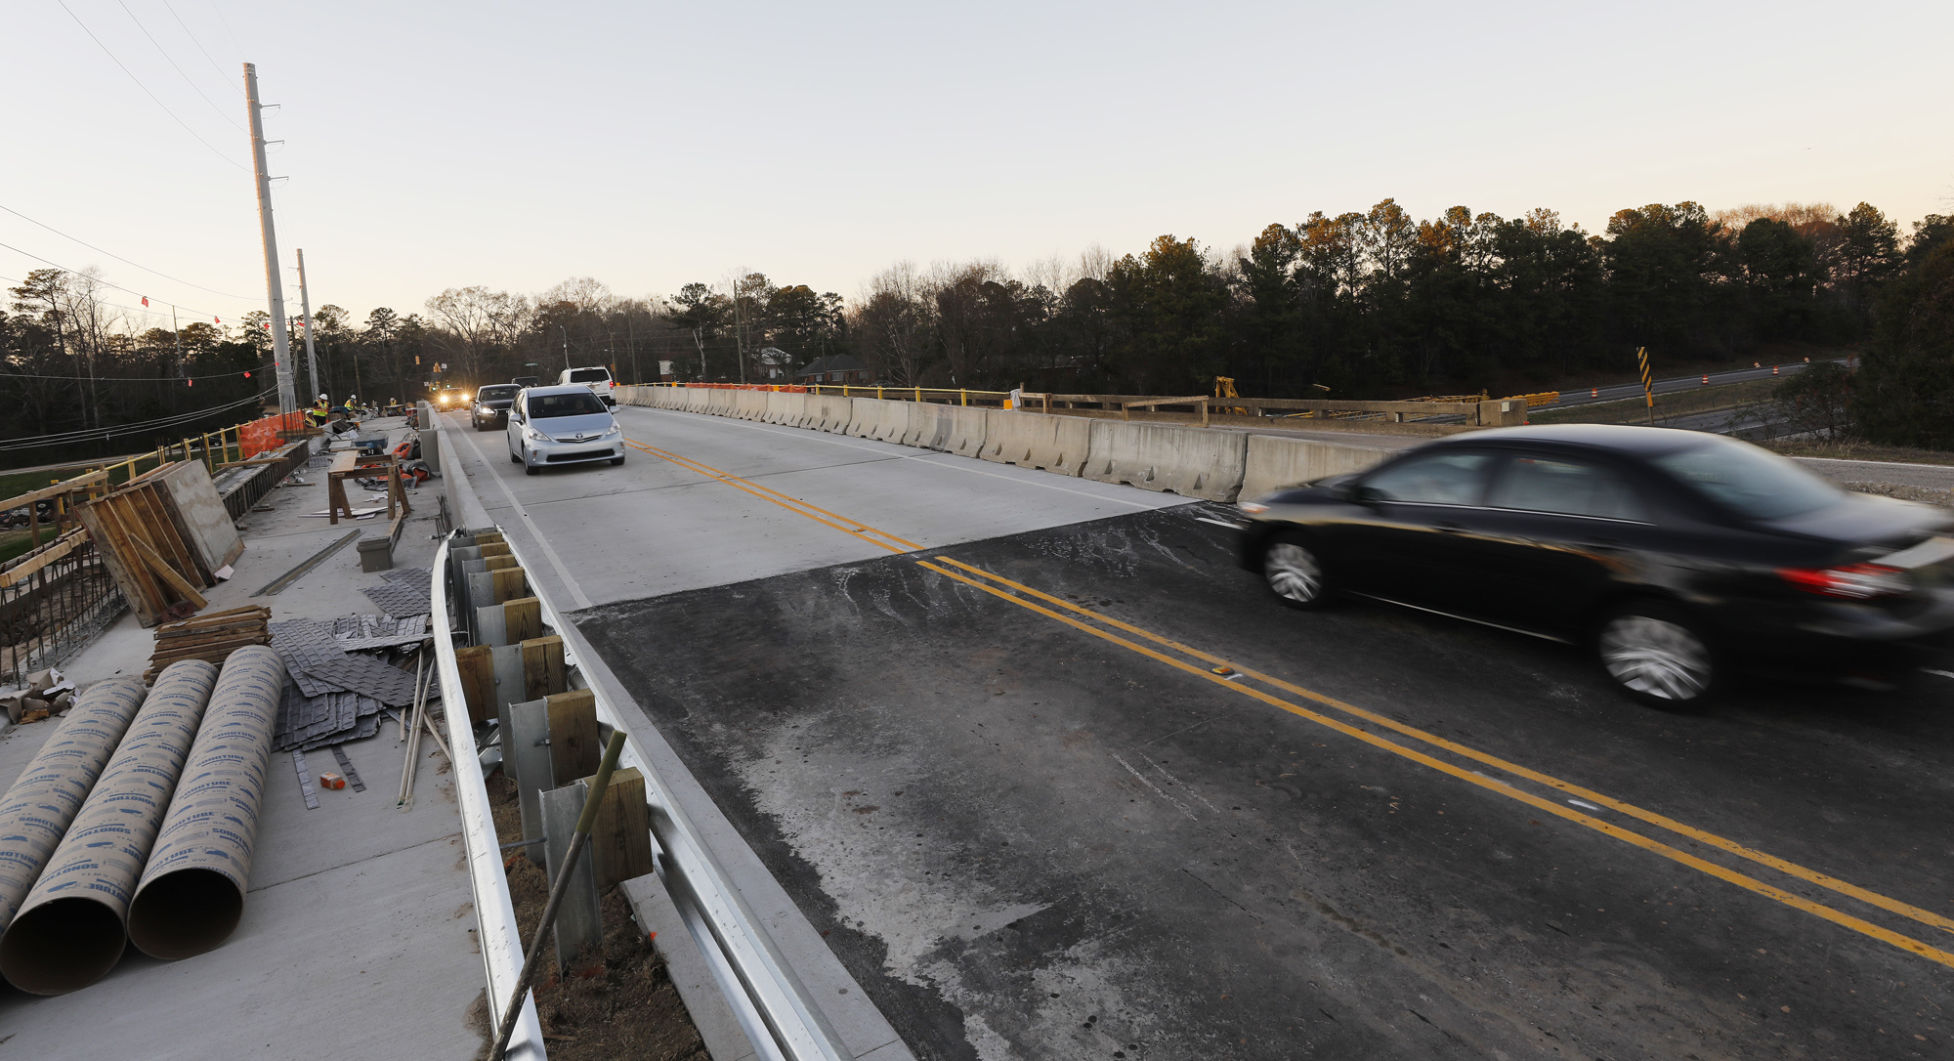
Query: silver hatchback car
<point>562,425</point>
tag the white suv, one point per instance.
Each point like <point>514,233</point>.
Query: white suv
<point>596,377</point>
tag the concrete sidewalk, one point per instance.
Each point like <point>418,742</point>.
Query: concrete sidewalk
<point>358,934</point>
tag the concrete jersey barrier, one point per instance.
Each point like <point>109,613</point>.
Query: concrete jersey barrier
<point>1036,440</point>
<point>749,405</point>
<point>1190,461</point>
<point>947,428</point>
<point>828,413</point>
<point>784,408</point>
<point>881,420</point>
<point>1274,463</point>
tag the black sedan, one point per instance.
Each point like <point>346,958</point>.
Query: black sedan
<point>491,407</point>
<point>1673,554</point>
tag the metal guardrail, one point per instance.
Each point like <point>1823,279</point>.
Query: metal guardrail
<point>776,1011</point>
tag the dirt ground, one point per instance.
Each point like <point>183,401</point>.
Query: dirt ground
<point>632,1010</point>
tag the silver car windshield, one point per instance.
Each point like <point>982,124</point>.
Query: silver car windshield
<point>551,406</point>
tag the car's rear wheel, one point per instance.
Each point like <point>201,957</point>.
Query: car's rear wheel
<point>1657,655</point>
<point>1293,571</point>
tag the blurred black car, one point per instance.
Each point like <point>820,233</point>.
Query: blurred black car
<point>491,408</point>
<point>1672,554</point>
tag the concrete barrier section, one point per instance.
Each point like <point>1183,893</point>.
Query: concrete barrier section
<point>749,405</point>
<point>1190,461</point>
<point>825,412</point>
<point>695,399</point>
<point>784,408</point>
<point>719,401</point>
<point>1036,440</point>
<point>1275,463</point>
<point>948,428</point>
<point>883,421</point>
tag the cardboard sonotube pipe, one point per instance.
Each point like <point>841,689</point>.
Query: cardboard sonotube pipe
<point>44,799</point>
<point>69,932</point>
<point>192,893</point>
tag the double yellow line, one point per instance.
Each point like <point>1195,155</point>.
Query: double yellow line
<point>1257,686</point>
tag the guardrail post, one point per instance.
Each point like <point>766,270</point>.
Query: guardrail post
<point>844,390</point>
<point>919,395</point>
<point>878,392</point>
<point>964,396</point>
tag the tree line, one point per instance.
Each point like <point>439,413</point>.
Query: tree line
<point>1361,304</point>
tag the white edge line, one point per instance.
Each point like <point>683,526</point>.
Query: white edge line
<point>495,912</point>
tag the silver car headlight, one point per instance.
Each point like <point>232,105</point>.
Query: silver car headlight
<point>534,435</point>
<point>613,432</point>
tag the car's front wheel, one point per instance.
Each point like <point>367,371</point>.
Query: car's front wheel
<point>1658,655</point>
<point>1293,570</point>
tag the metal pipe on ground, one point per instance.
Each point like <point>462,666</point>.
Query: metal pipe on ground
<point>47,795</point>
<point>192,893</point>
<point>68,933</point>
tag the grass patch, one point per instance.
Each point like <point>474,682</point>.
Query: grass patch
<point>1677,403</point>
<point>15,542</point>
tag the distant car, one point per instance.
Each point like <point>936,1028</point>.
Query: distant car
<point>562,425</point>
<point>491,406</point>
<point>526,381</point>
<point>450,398</point>
<point>1672,554</point>
<point>596,377</point>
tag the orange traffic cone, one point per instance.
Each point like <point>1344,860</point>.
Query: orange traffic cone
<point>1706,379</point>
<point>1774,370</point>
<point>1594,392</point>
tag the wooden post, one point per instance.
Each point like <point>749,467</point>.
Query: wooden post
<point>509,584</point>
<point>498,563</point>
<point>542,667</point>
<point>574,744</point>
<point>621,836</point>
<point>477,681</point>
<point>522,619</point>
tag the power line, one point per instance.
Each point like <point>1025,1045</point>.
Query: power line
<point>120,258</point>
<point>221,75</point>
<point>178,69</point>
<point>244,372</point>
<point>104,283</point>
<point>61,438</point>
<point>145,88</point>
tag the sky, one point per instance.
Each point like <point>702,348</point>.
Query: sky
<point>650,145</point>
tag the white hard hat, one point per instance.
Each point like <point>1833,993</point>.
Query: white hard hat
<point>322,397</point>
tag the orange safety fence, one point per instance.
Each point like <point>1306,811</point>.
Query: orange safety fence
<point>261,435</point>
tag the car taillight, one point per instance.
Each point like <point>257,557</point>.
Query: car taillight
<point>1851,582</point>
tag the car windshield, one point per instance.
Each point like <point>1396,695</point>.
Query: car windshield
<point>1748,480</point>
<point>551,406</point>
<point>588,375</point>
<point>496,393</point>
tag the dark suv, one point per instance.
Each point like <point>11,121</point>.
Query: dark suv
<point>492,405</point>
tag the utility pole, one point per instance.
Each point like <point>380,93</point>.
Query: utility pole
<point>281,347</point>
<point>305,307</point>
<point>631,341</point>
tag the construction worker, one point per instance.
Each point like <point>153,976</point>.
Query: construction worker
<point>320,412</point>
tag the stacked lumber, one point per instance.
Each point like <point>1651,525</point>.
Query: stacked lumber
<point>210,638</point>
